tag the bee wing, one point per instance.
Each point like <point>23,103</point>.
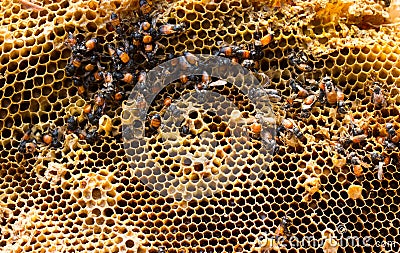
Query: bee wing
<point>218,83</point>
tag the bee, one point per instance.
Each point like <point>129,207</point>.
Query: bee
<point>115,21</point>
<point>118,96</point>
<point>123,56</point>
<point>47,139</point>
<point>71,40</point>
<point>389,145</point>
<point>145,6</point>
<point>250,64</point>
<point>76,61</point>
<point>169,29</point>
<point>273,95</point>
<point>243,53</point>
<point>298,89</point>
<point>145,26</point>
<point>227,51</point>
<point>255,130</point>
<point>56,136</point>
<point>282,230</point>
<point>95,116</point>
<point>124,77</point>
<point>87,108</point>
<point>341,105</point>
<point>91,137</point>
<point>307,104</point>
<point>155,122</point>
<point>265,40</point>
<point>147,39</point>
<point>70,70</point>
<point>332,94</point>
<point>99,100</point>
<point>376,157</point>
<point>167,101</point>
<point>347,138</point>
<point>185,129</point>
<point>91,44</point>
<point>289,125</point>
<point>357,164</point>
<point>23,146</point>
<point>339,148</point>
<point>299,61</point>
<point>392,133</point>
<point>72,124</point>
<point>161,249</point>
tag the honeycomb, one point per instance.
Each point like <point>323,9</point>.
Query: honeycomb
<point>116,185</point>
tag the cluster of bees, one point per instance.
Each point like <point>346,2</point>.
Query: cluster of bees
<point>100,73</point>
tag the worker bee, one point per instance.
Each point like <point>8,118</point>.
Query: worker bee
<point>243,53</point>
<point>47,139</point>
<point>161,249</point>
<point>70,70</point>
<point>124,77</point>
<point>91,44</point>
<point>332,94</point>
<point>357,164</point>
<point>155,122</point>
<point>95,116</point>
<point>185,129</point>
<point>273,95</point>
<point>300,61</point>
<point>99,100</point>
<point>307,104</point>
<point>169,29</point>
<point>72,124</point>
<point>27,144</point>
<point>378,99</point>
<point>392,133</point>
<point>115,21</point>
<point>250,64</point>
<point>298,89</point>
<point>123,56</point>
<point>347,138</point>
<point>227,51</point>
<point>54,137</point>
<point>283,228</point>
<point>145,6</point>
<point>255,130</point>
<point>71,40</point>
<point>91,136</point>
<point>290,125</point>
<point>191,58</point>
